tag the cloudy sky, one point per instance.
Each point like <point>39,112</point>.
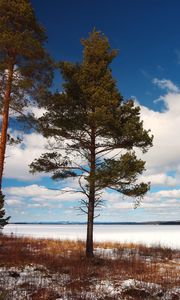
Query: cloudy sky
<point>147,35</point>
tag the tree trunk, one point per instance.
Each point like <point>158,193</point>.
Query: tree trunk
<point>90,223</point>
<point>5,119</point>
<point>90,220</point>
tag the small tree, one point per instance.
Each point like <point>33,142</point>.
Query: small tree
<point>92,121</point>
<point>3,220</point>
<point>25,67</point>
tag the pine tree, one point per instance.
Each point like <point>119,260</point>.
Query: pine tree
<point>25,67</point>
<point>91,121</point>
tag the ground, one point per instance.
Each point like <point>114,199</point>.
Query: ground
<point>53,270</point>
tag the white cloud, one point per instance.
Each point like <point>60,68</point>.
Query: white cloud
<point>160,179</point>
<point>169,193</point>
<point>39,205</point>
<point>19,157</point>
<point>38,112</point>
<point>164,155</point>
<point>40,193</point>
<point>166,84</point>
<point>13,202</point>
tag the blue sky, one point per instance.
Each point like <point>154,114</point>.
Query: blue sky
<point>147,68</point>
<point>146,33</point>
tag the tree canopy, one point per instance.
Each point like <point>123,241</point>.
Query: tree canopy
<point>22,41</point>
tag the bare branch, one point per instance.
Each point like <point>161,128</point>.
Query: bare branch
<point>81,209</point>
<point>80,167</point>
<point>84,203</point>
<point>108,150</point>
<point>96,216</point>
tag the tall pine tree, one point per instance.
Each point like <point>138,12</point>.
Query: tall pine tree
<point>92,123</point>
<point>25,66</point>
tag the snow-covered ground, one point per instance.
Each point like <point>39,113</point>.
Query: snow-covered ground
<point>29,283</point>
<point>165,235</point>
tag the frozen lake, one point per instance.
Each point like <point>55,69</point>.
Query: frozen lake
<point>165,235</point>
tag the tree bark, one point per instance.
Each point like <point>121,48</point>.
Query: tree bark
<point>90,220</point>
<point>5,120</point>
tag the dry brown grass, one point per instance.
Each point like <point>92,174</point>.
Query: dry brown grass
<point>126,261</point>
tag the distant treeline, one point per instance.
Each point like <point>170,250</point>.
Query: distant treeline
<point>101,223</point>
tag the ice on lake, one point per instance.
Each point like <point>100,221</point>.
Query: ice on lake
<point>165,235</point>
